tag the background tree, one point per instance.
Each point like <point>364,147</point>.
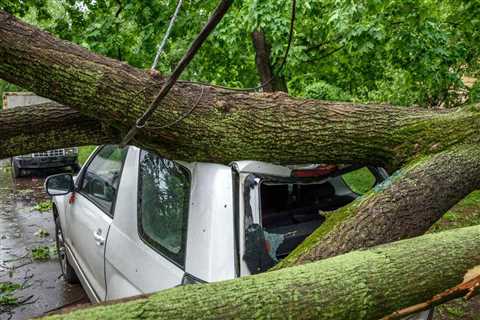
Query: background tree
<point>399,52</point>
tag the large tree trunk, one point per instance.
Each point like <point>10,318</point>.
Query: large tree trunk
<point>359,285</point>
<point>226,125</point>
<point>404,206</point>
<point>25,130</point>
<point>269,80</point>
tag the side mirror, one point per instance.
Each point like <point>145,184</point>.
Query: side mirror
<point>59,184</point>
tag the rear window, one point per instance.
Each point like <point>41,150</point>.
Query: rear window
<point>289,210</point>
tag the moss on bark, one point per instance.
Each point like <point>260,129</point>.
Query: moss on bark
<point>404,206</point>
<point>226,125</point>
<point>359,285</point>
<point>44,127</point>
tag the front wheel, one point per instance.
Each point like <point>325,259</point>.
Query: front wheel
<point>67,271</point>
<point>17,172</point>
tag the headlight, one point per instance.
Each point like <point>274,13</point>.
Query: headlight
<point>71,151</point>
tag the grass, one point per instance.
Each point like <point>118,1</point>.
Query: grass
<point>83,153</point>
<point>42,233</point>
<point>464,214</point>
<point>7,289</point>
<point>44,206</point>
<point>360,180</point>
<point>43,253</point>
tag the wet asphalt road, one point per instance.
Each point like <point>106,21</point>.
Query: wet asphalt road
<point>43,288</point>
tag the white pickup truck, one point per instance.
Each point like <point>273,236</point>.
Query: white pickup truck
<point>132,222</point>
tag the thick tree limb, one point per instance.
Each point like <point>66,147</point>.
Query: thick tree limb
<point>29,129</point>
<point>360,285</point>
<point>402,207</point>
<point>227,125</point>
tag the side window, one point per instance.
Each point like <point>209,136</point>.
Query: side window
<point>163,199</point>
<point>102,177</point>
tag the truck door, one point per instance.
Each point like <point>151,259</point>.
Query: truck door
<point>91,214</point>
<point>147,241</point>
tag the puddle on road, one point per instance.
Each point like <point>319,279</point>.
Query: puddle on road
<point>43,288</point>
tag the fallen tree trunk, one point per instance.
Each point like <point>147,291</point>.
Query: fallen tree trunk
<point>25,130</point>
<point>229,125</point>
<point>404,206</point>
<point>226,125</point>
<point>360,285</point>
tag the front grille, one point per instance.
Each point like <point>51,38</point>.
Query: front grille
<point>50,153</point>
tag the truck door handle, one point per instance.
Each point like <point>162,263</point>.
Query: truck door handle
<point>99,240</point>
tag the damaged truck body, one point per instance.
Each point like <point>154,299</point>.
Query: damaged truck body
<point>132,222</point>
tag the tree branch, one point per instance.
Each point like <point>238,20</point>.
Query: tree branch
<point>38,128</point>
<point>404,206</point>
<point>227,125</point>
<point>369,284</point>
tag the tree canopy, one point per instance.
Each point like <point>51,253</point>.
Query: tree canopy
<point>399,52</point>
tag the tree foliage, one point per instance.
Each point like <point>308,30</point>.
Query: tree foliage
<point>400,52</point>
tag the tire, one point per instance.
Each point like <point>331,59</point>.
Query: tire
<point>17,172</point>
<point>67,270</point>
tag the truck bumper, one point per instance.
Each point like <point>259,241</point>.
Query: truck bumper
<point>45,162</point>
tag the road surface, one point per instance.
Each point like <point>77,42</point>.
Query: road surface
<point>43,288</point>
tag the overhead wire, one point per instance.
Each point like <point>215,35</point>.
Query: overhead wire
<point>166,35</point>
<point>280,69</point>
<point>213,21</point>
<point>216,17</point>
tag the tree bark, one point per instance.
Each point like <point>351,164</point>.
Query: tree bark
<point>25,130</point>
<point>360,285</point>
<point>226,125</point>
<point>404,206</point>
<point>271,82</point>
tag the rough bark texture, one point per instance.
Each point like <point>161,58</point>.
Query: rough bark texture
<point>29,129</point>
<point>226,125</point>
<point>230,126</point>
<point>359,285</point>
<point>404,206</point>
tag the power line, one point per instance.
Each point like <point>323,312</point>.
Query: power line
<point>282,66</point>
<point>167,34</point>
<point>217,16</point>
<point>209,27</point>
